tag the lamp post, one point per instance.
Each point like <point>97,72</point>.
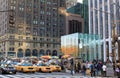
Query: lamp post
<point>114,36</point>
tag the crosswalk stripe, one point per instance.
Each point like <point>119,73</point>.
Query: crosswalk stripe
<point>2,76</point>
<point>39,76</point>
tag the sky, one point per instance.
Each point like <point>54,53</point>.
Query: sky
<point>79,1</point>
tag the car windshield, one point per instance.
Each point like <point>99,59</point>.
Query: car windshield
<point>42,64</point>
<point>26,64</point>
<point>6,65</point>
<point>15,63</point>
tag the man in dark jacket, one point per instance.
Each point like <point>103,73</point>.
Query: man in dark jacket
<point>72,66</point>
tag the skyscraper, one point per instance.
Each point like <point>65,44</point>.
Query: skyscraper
<point>35,30</point>
<point>102,13</point>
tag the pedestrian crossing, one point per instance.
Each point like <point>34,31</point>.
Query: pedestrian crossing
<point>43,76</point>
<point>37,76</point>
<point>46,76</point>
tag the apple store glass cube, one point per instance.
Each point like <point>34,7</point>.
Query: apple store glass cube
<point>84,46</point>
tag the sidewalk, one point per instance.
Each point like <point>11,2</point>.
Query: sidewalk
<point>79,75</point>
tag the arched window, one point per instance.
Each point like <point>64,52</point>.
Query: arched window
<point>34,52</point>
<point>27,52</point>
<point>20,53</point>
<point>41,53</point>
<point>48,52</point>
<point>54,53</point>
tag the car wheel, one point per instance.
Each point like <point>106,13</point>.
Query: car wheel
<point>40,70</point>
<point>22,70</point>
<point>33,72</point>
<point>50,71</point>
<point>1,72</point>
<point>59,71</point>
<point>14,72</point>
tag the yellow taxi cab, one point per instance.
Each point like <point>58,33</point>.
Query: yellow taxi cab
<point>43,68</point>
<point>25,67</point>
<point>55,67</point>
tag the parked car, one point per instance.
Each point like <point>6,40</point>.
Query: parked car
<point>7,68</point>
<point>25,67</point>
<point>43,68</point>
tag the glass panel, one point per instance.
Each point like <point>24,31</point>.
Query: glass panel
<point>81,45</point>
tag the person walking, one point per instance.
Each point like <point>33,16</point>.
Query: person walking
<point>79,67</point>
<point>98,69</point>
<point>92,70</point>
<point>72,66</point>
<point>117,70</point>
<point>104,67</point>
<point>84,70</point>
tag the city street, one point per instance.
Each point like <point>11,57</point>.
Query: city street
<point>62,38</point>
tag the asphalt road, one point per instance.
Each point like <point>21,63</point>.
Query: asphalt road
<point>41,75</point>
<point>47,75</point>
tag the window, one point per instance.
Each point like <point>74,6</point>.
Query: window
<point>35,22</point>
<point>54,45</point>
<point>27,38</point>
<point>12,37</point>
<point>12,31</point>
<point>48,40</point>
<point>11,49</point>
<point>42,23</point>
<point>13,7</point>
<point>12,43</point>
<point>42,12</point>
<point>34,39</point>
<point>34,45</point>
<point>20,37</point>
<point>42,0</point>
<point>48,45</point>
<point>41,39</point>
<point>20,44</point>
<point>41,45</point>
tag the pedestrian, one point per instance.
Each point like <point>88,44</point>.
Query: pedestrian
<point>72,66</point>
<point>99,68</point>
<point>117,70</point>
<point>104,67</point>
<point>79,67</point>
<point>84,70</point>
<point>92,70</point>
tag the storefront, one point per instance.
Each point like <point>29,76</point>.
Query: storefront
<point>85,46</point>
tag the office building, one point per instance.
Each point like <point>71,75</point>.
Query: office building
<point>32,28</point>
<point>74,24</point>
<point>82,10</point>
<point>103,15</point>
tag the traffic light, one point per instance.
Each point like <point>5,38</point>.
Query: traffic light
<point>11,19</point>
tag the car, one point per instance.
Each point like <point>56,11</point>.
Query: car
<point>7,69</point>
<point>43,68</point>
<point>25,67</point>
<point>55,67</point>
